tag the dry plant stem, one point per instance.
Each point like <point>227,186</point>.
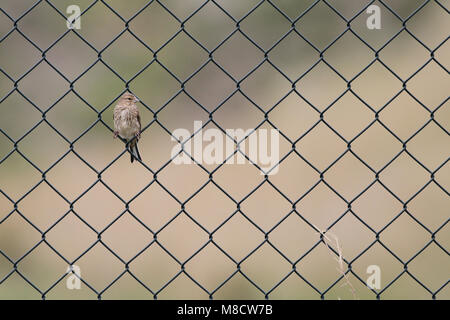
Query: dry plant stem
<point>339,259</point>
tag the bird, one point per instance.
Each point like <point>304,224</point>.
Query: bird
<point>127,123</point>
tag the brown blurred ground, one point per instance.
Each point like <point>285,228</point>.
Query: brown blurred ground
<point>266,207</point>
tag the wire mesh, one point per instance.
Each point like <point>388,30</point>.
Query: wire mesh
<point>14,265</point>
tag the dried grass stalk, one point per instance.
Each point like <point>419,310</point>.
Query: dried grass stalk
<point>332,242</point>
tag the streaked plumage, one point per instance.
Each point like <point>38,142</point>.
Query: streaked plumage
<point>127,123</point>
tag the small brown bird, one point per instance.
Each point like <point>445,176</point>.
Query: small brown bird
<point>127,123</point>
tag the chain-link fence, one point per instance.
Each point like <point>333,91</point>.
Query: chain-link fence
<point>363,173</point>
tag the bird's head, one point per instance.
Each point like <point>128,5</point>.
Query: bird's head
<point>128,98</point>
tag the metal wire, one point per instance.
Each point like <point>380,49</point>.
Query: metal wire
<point>15,264</point>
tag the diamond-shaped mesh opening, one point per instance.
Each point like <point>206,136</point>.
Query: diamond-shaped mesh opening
<point>71,116</point>
<point>16,166</point>
<point>414,237</point>
<point>297,108</point>
<point>97,279</point>
<point>182,56</point>
<point>297,179</point>
<point>238,111</point>
<point>285,55</point>
<point>376,146</point>
<point>392,116</point>
<point>17,124</point>
<point>406,169</point>
<point>322,36</point>
<point>52,209</point>
<point>238,47</point>
<point>124,244</point>
<point>32,268</point>
<point>266,267</point>
<point>210,86</point>
<point>362,175</point>
<point>210,267</point>
<point>316,206</point>
<point>11,227</point>
<point>54,84</point>
<point>155,267</point>
<point>209,25</point>
<point>265,34</point>
<point>245,237</point>
<point>390,25</point>
<point>28,58</point>
<point>432,34</point>
<point>409,64</point>
<point>42,32</point>
<point>55,146</point>
<point>98,25</point>
<point>376,207</point>
<point>349,65</point>
<point>340,116</point>
<point>71,236</point>
<point>331,82</point>
<point>423,90</point>
<point>117,58</point>
<point>418,207</point>
<point>349,176</point>
<point>377,86</point>
<point>312,146</point>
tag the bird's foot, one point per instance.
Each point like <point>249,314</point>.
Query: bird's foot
<point>116,134</point>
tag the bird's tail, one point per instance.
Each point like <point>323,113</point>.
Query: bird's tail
<point>134,151</point>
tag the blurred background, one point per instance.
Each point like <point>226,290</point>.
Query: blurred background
<point>41,210</point>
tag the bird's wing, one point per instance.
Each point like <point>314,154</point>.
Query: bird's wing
<point>115,115</point>
<point>139,121</point>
